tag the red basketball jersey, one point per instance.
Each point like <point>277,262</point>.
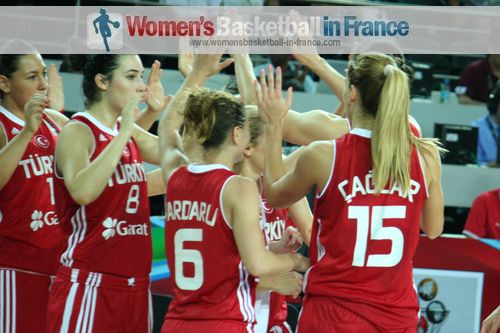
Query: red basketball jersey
<point>209,279</point>
<point>276,221</point>
<point>111,235</point>
<point>30,237</point>
<point>484,216</point>
<point>362,244</point>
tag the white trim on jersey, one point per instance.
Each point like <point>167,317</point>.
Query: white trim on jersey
<point>321,248</point>
<point>470,234</point>
<point>202,168</point>
<point>12,116</point>
<point>85,320</point>
<point>362,132</point>
<point>79,223</point>
<point>221,202</point>
<point>70,300</point>
<point>7,301</point>
<point>2,305</point>
<point>5,134</point>
<point>334,147</point>
<point>423,173</point>
<point>97,123</point>
<point>244,296</point>
<point>150,311</point>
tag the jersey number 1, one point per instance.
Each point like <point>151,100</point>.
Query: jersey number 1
<point>377,232</point>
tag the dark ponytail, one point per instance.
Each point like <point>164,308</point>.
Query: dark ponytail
<point>97,64</point>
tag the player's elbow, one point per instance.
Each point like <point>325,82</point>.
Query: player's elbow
<point>433,231</point>
<point>81,197</point>
<point>257,268</point>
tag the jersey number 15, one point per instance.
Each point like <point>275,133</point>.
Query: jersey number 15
<point>373,225</point>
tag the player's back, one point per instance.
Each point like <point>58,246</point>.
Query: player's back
<point>362,244</point>
<point>210,281</point>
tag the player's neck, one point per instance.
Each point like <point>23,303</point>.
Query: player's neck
<point>218,157</point>
<point>100,111</point>
<point>13,108</point>
<point>361,121</point>
<point>247,170</point>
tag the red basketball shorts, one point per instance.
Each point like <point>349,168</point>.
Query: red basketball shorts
<point>23,301</point>
<point>321,315</point>
<point>205,326</point>
<point>89,302</point>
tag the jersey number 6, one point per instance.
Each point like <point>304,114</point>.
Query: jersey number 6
<point>183,255</point>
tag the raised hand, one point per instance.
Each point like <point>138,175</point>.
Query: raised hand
<point>33,111</point>
<point>270,98</point>
<point>55,90</point>
<point>156,99</point>
<point>128,116</point>
<point>185,63</point>
<point>209,64</point>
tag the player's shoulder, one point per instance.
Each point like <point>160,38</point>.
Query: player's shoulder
<point>59,118</point>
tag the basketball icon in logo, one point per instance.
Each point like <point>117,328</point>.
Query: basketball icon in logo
<point>436,312</point>
<point>427,289</point>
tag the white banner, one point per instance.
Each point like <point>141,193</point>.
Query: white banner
<point>450,301</point>
<point>263,30</point>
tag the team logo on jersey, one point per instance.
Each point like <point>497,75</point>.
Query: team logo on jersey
<point>42,141</point>
<point>267,209</point>
<point>102,137</point>
<point>38,219</point>
<point>126,152</point>
<point>114,227</point>
<point>15,131</point>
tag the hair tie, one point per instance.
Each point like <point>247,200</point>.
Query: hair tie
<point>387,69</point>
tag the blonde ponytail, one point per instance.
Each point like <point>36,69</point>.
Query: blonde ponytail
<point>391,143</point>
<point>385,95</point>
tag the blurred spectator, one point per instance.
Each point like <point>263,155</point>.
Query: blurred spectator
<point>293,75</point>
<point>73,63</point>
<point>484,216</point>
<point>488,152</point>
<point>478,79</point>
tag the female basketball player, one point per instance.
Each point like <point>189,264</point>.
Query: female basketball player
<point>29,234</point>
<point>301,129</point>
<point>102,203</point>
<point>212,236</point>
<point>375,188</point>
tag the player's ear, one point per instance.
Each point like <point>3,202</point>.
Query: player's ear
<point>101,82</point>
<point>4,84</point>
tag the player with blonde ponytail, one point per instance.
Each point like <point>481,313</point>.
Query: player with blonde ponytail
<point>376,187</point>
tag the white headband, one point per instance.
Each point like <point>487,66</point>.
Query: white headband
<point>388,68</point>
